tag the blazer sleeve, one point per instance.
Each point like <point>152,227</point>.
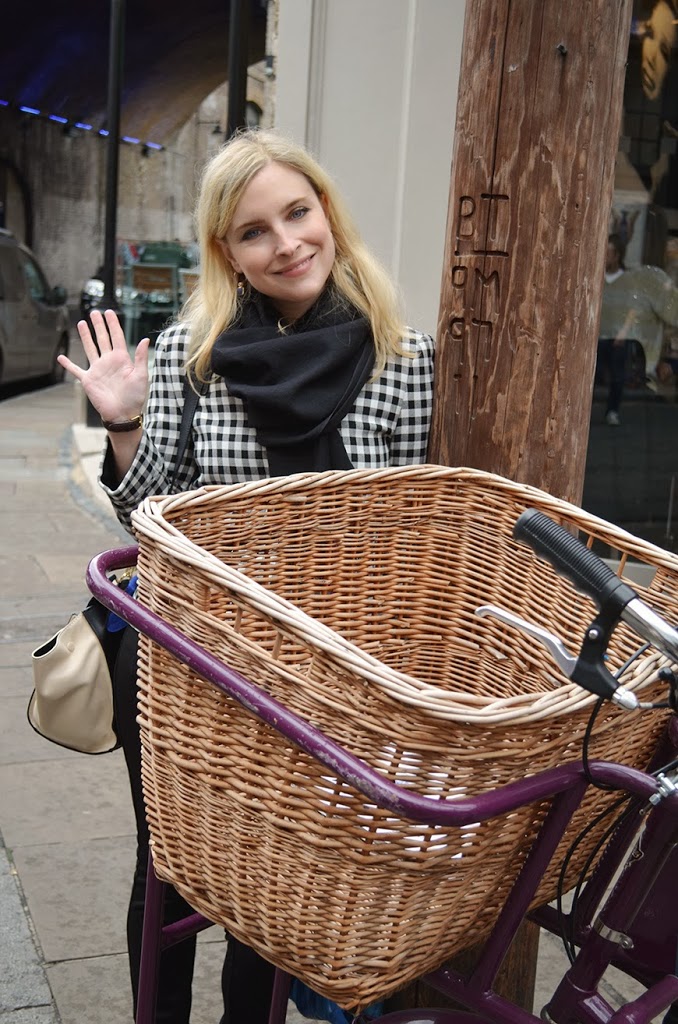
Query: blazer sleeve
<point>409,439</point>
<point>153,465</point>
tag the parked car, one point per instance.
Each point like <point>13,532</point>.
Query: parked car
<point>149,293</point>
<point>34,318</point>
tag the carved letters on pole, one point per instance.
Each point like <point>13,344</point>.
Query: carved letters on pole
<point>477,291</point>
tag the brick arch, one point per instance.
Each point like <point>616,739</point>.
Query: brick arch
<point>54,57</point>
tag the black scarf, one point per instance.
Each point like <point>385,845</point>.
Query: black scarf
<point>297,386</point>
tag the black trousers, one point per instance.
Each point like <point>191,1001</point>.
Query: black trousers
<point>611,367</point>
<point>247,979</point>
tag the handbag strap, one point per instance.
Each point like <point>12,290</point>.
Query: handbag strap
<point>193,391</point>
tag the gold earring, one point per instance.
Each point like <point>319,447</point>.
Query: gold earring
<point>240,286</point>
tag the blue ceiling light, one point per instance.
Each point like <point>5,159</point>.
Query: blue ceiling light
<point>70,126</point>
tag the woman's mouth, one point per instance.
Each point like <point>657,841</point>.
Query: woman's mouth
<point>296,269</point>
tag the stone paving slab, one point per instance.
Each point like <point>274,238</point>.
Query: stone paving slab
<point>80,542</point>
<point>77,985</point>
<point>15,680</point>
<point>84,914</point>
<point>18,740</point>
<point>31,1015</point>
<point>92,991</point>
<point>43,802</point>
<point>36,617</point>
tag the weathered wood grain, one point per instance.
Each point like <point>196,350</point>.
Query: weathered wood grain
<point>537,131</point>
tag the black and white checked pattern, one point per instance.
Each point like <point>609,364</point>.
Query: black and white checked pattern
<point>388,426</point>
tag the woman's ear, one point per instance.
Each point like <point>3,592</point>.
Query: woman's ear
<point>227,253</point>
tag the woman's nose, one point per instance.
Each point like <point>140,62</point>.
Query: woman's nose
<point>286,243</point>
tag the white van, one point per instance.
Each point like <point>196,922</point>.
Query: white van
<point>34,318</point>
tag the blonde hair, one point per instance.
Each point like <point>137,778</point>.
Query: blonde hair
<point>356,274</point>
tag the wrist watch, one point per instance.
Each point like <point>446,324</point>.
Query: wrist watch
<point>124,425</point>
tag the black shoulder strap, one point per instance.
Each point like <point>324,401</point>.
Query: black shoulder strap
<point>191,399</point>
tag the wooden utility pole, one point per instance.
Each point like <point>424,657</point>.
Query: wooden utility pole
<point>538,121</point>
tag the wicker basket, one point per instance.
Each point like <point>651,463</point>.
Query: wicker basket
<point>350,597</point>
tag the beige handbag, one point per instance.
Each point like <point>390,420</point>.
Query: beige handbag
<point>72,703</point>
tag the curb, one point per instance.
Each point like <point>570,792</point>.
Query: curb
<point>25,994</point>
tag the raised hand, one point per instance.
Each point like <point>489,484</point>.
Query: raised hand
<point>115,384</point>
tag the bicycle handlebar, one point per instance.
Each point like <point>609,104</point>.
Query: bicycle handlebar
<point>573,560</point>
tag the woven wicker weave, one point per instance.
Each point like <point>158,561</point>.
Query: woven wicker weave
<point>350,597</point>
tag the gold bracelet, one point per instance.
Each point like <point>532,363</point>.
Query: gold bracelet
<point>120,428</point>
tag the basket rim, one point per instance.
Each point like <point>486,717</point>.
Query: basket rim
<point>149,521</point>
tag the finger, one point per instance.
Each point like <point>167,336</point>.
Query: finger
<point>73,368</point>
<point>115,330</point>
<point>87,339</point>
<point>141,355</point>
<point>103,338</point>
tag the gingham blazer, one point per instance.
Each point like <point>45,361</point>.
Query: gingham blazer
<point>387,426</point>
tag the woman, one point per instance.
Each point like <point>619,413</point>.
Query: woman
<point>659,36</point>
<point>294,331</point>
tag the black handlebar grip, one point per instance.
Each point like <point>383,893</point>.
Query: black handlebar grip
<point>572,559</point>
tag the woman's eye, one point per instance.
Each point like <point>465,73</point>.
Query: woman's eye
<point>299,212</point>
<point>251,233</point>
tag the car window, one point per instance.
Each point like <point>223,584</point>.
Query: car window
<point>12,286</point>
<point>35,280</point>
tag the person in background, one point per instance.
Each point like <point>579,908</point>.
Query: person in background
<point>659,36</point>
<point>636,305</point>
<point>295,331</point>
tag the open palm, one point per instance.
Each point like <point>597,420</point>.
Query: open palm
<point>115,384</point>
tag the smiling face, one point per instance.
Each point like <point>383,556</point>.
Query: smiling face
<point>660,34</point>
<point>280,239</point>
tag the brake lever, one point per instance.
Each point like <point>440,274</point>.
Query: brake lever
<point>564,660</point>
<point>582,670</point>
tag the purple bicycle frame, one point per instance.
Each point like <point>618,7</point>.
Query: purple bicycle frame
<point>576,999</point>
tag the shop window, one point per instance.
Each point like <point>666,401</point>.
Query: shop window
<point>632,464</point>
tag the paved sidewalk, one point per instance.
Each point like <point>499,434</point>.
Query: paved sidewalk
<point>66,828</point>
<point>66,825</point>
